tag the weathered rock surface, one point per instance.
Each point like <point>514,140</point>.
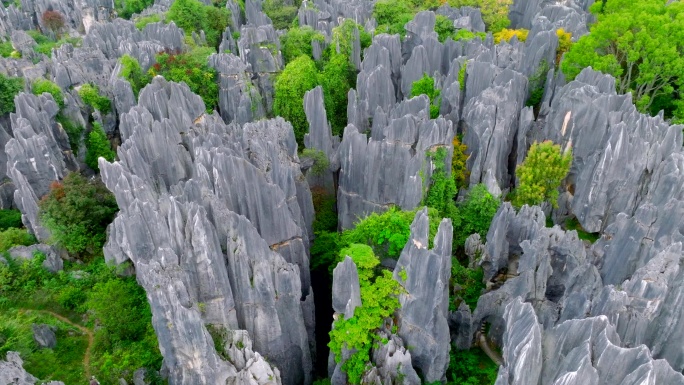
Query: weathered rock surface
<point>12,371</point>
<point>346,291</point>
<point>53,262</point>
<point>44,335</point>
<point>195,178</point>
<point>425,303</point>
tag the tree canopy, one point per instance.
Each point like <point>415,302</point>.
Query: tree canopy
<point>641,43</point>
<point>298,77</point>
<point>541,173</point>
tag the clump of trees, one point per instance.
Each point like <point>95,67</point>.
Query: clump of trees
<point>98,145</point>
<point>77,212</point>
<point>299,76</point>
<point>640,43</point>
<point>126,8</point>
<point>281,14</point>
<point>194,16</point>
<point>41,86</point>
<point>90,94</point>
<point>426,86</point>
<point>541,174</point>
<point>9,88</point>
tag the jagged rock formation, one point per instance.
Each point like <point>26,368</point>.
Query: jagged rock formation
<point>346,292</point>
<point>37,155</point>
<point>195,178</point>
<point>53,262</point>
<point>44,335</point>
<point>12,371</point>
<point>320,138</point>
<point>424,274</point>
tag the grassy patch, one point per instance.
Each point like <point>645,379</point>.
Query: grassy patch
<point>573,224</point>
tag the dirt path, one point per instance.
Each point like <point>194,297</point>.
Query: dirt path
<point>83,329</point>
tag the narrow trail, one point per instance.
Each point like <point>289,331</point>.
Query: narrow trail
<point>83,329</point>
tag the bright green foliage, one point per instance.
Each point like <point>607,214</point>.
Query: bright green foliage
<point>6,49</point>
<point>325,250</point>
<point>470,281</point>
<point>280,13</point>
<point>298,77</point>
<point>475,214</point>
<point>426,86</point>
<point>73,131</point>
<point>9,88</point>
<point>461,75</point>
<point>337,78</point>
<point>131,71</point>
<point>141,22</point>
<point>193,69</point>
<point>541,174</point>
<point>41,86</point>
<point>193,15</point>
<point>46,44</point>
<point>77,212</point>
<point>494,12</point>
<point>321,163</point>
<point>471,367</point>
<point>387,233</point>
<point>98,146</point>
<point>124,339</point>
<point>442,190</point>
<point>10,218</point>
<point>392,15</point>
<point>343,38</point>
<point>63,363</point>
<point>15,237</point>
<point>90,95</point>
<point>465,35</point>
<point>379,294</point>
<point>641,43</point>
<point>297,42</point>
<point>444,27</point>
<point>126,8</point>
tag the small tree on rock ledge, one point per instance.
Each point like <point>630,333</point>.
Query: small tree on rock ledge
<point>541,174</point>
<point>54,21</point>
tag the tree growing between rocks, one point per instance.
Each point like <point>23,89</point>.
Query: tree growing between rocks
<point>54,21</point>
<point>494,12</point>
<point>426,86</point>
<point>98,146</point>
<point>298,77</point>
<point>9,88</point>
<point>541,174</point>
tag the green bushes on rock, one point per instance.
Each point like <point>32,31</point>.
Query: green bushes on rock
<point>337,78</point>
<point>98,146</point>
<point>194,16</point>
<point>126,8</point>
<point>541,174</point>
<point>426,86</point>
<point>76,212</point>
<point>297,42</point>
<point>10,218</point>
<point>298,77</point>
<point>131,71</point>
<point>41,86</point>
<point>90,95</point>
<point>9,88</point>
<point>15,237</point>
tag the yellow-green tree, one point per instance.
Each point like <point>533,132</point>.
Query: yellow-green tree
<point>494,12</point>
<point>541,174</point>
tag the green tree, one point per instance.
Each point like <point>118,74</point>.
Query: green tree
<point>98,146</point>
<point>194,16</point>
<point>15,237</point>
<point>298,77</point>
<point>392,15</point>
<point>494,12</point>
<point>131,71</point>
<point>10,218</point>
<point>9,88</point>
<point>541,174</point>
<point>280,13</point>
<point>77,212</point>
<point>126,8</point>
<point>297,42</point>
<point>193,69</point>
<point>474,214</point>
<point>444,27</point>
<point>41,86</point>
<point>426,86</point>
<point>118,304</point>
<point>343,38</point>
<point>337,78</point>
<point>641,43</point>
<point>6,49</point>
<point>442,190</point>
<point>90,95</point>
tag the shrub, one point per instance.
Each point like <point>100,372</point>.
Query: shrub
<point>337,78</point>
<point>379,300</point>
<point>297,42</point>
<point>193,69</point>
<point>442,191</point>
<point>10,218</point>
<point>426,86</point>
<point>321,163</point>
<point>444,27</point>
<point>541,174</point>
<point>459,170</point>
<point>15,237</point>
<point>73,131</point>
<point>141,22</point>
<point>494,12</point>
<point>117,305</point>
<point>77,213</point>
<point>194,16</point>
<point>90,95</point>
<point>471,367</point>
<point>41,86</point>
<point>474,214</point>
<point>6,49</point>
<point>343,38</point>
<point>9,88</point>
<point>470,282</point>
<point>126,8</point>
<point>280,13</point>
<point>98,146</point>
<point>507,34</point>
<point>299,76</point>
<point>54,21</point>
<point>392,15</point>
<point>131,71</point>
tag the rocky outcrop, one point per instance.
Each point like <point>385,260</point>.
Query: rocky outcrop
<point>44,335</point>
<point>222,198</point>
<point>320,138</point>
<point>239,99</point>
<point>37,155</point>
<point>12,371</point>
<point>346,292</point>
<point>53,262</point>
<point>422,318</point>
